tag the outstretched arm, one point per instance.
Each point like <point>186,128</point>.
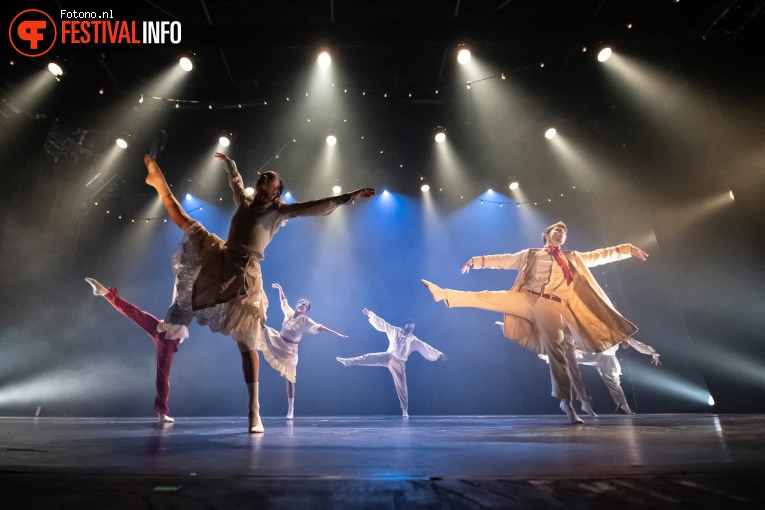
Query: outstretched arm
<point>503,261</point>
<point>643,349</point>
<point>324,328</point>
<point>323,206</point>
<point>282,297</point>
<point>377,322</point>
<point>235,181</point>
<point>612,254</point>
<point>286,308</point>
<point>428,352</point>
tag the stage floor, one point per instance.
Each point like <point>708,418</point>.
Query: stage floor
<point>701,460</point>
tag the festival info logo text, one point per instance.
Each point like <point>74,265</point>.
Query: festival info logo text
<point>33,32</point>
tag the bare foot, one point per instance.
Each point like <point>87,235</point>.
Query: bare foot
<point>98,289</point>
<point>567,408</point>
<point>587,408</point>
<point>438,293</point>
<point>154,177</point>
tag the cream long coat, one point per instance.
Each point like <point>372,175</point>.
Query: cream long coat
<point>590,315</point>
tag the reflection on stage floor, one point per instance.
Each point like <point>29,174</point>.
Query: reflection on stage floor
<point>386,462</point>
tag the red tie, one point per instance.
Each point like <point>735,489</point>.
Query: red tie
<point>558,256</point>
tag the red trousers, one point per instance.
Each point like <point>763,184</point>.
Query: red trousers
<point>165,348</point>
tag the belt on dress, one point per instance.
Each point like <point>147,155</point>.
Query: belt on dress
<point>289,341</point>
<point>546,296</point>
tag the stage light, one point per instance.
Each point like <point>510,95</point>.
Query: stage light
<point>225,139</point>
<point>188,196</point>
<point>463,54</point>
<point>604,54</point>
<point>122,141</point>
<point>331,140</point>
<point>186,64</point>
<point>550,133</point>
<point>513,185</point>
<point>425,188</point>
<point>55,69</point>
<point>324,59</point>
<point>711,400</point>
<point>440,134</point>
<point>730,194</point>
<point>251,191</point>
<point>336,189</point>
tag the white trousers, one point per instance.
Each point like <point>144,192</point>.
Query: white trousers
<point>609,370</point>
<point>547,316</point>
<point>397,370</point>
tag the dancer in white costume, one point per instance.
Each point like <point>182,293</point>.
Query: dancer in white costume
<point>402,343</point>
<point>282,352</point>
<point>610,370</point>
<point>220,281</point>
<point>553,290</point>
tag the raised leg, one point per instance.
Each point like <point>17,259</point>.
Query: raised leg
<point>503,301</point>
<point>156,179</point>
<point>374,359</point>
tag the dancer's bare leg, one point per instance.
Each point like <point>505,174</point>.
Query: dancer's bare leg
<point>156,179</point>
<point>290,399</point>
<point>251,368</point>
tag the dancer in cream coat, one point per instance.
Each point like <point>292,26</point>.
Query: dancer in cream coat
<point>553,289</point>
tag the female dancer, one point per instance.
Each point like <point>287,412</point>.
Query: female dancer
<point>220,281</point>
<point>283,345</point>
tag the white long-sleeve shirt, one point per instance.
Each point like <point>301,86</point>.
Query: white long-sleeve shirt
<point>636,344</point>
<point>402,345</point>
<point>293,327</point>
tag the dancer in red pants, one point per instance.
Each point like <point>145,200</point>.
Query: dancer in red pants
<point>166,334</point>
